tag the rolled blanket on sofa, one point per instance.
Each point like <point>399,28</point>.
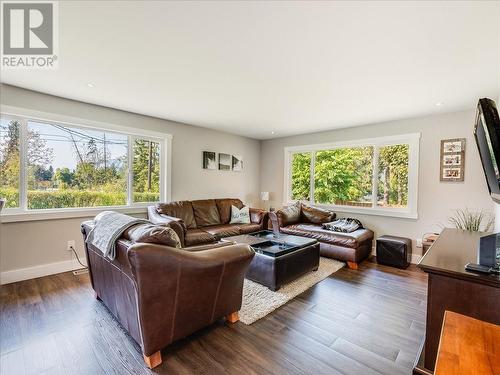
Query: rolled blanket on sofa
<point>108,227</point>
<point>344,225</point>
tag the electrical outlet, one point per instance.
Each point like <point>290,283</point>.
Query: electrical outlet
<point>71,244</point>
<point>419,242</point>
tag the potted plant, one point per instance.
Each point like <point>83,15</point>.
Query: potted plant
<point>473,221</point>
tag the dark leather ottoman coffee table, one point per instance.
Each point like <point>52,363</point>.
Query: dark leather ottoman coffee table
<point>280,258</point>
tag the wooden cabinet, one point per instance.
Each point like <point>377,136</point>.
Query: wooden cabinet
<point>452,288</point>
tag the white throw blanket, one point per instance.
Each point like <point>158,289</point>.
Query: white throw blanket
<point>108,227</point>
<point>344,225</point>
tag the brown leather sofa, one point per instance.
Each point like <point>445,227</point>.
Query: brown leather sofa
<point>205,221</point>
<point>160,294</point>
<point>303,220</point>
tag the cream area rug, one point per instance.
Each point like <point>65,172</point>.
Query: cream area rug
<point>258,300</point>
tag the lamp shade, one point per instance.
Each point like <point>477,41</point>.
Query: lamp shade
<point>264,196</point>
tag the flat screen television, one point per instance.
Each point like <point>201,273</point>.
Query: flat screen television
<point>487,134</point>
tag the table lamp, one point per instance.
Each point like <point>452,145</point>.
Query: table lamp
<point>264,196</point>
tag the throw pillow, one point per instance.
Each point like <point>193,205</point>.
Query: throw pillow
<point>290,214</point>
<point>240,216</point>
<point>153,233</point>
<point>316,215</point>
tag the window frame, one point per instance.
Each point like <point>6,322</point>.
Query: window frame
<point>412,140</point>
<point>23,116</point>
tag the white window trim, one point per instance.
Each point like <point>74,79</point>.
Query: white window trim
<point>22,213</point>
<point>413,140</point>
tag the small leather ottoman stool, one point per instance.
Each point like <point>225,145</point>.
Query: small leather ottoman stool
<point>394,251</point>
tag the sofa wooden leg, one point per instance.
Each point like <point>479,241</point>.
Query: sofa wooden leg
<point>352,265</point>
<point>153,360</point>
<point>233,317</point>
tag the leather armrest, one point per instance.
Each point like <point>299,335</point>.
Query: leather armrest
<point>257,215</point>
<point>273,217</point>
<point>86,226</point>
<point>173,222</point>
<point>209,246</point>
<point>361,234</point>
<point>180,291</point>
<point>289,215</point>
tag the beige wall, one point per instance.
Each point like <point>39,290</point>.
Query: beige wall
<point>37,243</point>
<point>33,243</point>
<point>436,200</point>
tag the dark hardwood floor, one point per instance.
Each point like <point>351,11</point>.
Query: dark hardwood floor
<point>369,321</point>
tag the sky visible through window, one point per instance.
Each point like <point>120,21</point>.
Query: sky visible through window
<point>62,142</point>
<point>67,166</point>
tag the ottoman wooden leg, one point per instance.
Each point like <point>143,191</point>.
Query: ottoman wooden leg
<point>352,265</point>
<point>233,317</point>
<point>153,360</point>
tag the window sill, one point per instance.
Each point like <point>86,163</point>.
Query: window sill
<point>367,211</point>
<point>66,213</point>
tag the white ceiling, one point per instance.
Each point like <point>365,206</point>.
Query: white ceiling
<point>252,68</point>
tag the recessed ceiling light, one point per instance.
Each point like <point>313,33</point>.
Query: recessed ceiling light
<point>91,85</point>
<point>439,104</point>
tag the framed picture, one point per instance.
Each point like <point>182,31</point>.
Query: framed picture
<point>237,163</point>
<point>453,145</point>
<point>209,160</point>
<point>452,160</point>
<point>225,162</point>
<point>454,173</point>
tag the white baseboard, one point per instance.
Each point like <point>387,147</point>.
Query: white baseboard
<point>21,274</point>
<point>415,258</point>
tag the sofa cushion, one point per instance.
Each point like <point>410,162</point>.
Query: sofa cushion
<point>240,216</point>
<point>181,209</point>
<point>289,215</point>
<point>224,230</point>
<point>249,228</point>
<point>224,207</point>
<point>257,214</point>
<point>352,240</point>
<point>152,233</point>
<point>205,212</point>
<point>316,215</point>
<point>198,237</point>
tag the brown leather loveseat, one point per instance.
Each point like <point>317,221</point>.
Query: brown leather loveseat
<point>205,221</point>
<point>303,220</point>
<point>161,293</point>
